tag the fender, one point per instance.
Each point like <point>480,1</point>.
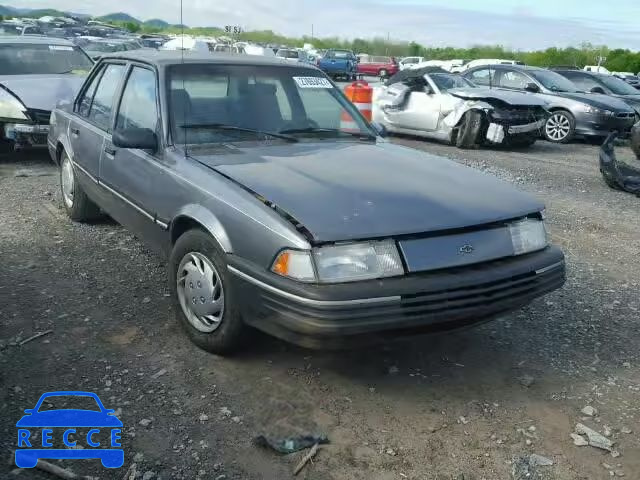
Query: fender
<point>66,145</point>
<point>453,118</point>
<point>204,217</point>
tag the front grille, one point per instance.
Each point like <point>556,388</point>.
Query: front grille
<point>626,115</point>
<point>40,116</point>
<point>517,116</point>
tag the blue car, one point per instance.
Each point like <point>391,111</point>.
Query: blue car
<point>28,455</point>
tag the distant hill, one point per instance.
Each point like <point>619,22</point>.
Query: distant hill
<point>7,11</point>
<point>118,17</point>
<point>156,23</point>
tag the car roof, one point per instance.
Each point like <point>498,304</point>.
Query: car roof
<point>35,39</point>
<point>525,68</point>
<point>163,58</point>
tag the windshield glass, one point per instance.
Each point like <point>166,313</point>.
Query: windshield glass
<point>104,47</point>
<point>205,100</point>
<point>617,86</point>
<point>445,81</point>
<point>553,81</point>
<point>287,54</point>
<point>341,54</point>
<point>24,59</point>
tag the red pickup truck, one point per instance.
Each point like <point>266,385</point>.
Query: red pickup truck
<point>377,66</point>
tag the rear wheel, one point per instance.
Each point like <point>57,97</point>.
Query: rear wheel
<point>469,129</point>
<point>560,127</point>
<point>203,296</point>
<point>78,206</point>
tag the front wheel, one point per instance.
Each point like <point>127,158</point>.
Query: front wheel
<point>383,73</point>
<point>203,295</point>
<point>560,127</point>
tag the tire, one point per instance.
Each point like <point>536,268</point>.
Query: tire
<point>227,335</point>
<point>78,206</point>
<point>560,127</point>
<point>468,129</point>
<point>383,73</point>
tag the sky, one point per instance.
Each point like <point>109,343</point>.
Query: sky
<point>518,24</point>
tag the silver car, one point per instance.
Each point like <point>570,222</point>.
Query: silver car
<point>279,206</point>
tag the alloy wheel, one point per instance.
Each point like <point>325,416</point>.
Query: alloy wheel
<point>200,292</point>
<point>558,127</point>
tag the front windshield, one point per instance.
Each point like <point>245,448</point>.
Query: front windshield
<point>341,54</point>
<point>553,81</point>
<point>104,47</point>
<point>223,103</point>
<point>25,59</point>
<point>617,86</point>
<point>445,81</point>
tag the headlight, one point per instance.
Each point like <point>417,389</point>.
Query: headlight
<point>528,235</point>
<point>597,111</point>
<point>341,263</point>
<point>11,108</point>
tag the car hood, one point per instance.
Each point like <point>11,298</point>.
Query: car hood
<point>508,96</point>
<point>349,190</point>
<point>42,92</point>
<point>69,418</point>
<point>605,102</point>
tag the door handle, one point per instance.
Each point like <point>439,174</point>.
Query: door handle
<point>111,151</point>
<point>75,131</point>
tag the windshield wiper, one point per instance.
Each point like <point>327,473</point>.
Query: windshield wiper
<point>223,126</point>
<point>328,130</point>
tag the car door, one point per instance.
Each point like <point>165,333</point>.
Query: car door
<point>422,110</point>
<point>134,177</point>
<point>90,122</point>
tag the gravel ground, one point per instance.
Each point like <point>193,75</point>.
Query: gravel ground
<point>467,405</point>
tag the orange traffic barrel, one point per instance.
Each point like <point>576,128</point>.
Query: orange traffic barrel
<point>361,95</point>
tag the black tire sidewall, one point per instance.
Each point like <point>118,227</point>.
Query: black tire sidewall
<point>572,127</point>
<point>226,338</point>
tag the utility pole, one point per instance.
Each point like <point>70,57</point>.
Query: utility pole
<point>312,31</point>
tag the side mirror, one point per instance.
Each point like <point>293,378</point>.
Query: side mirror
<point>29,410</point>
<point>532,87</point>
<point>428,90</point>
<point>140,138</point>
<point>380,129</point>
<point>597,89</point>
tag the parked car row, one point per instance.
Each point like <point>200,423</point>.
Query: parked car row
<point>426,100</point>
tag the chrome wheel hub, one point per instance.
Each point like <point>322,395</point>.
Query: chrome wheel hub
<point>200,292</point>
<point>67,182</point>
<point>558,127</point>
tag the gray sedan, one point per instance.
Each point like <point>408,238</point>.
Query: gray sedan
<point>280,207</point>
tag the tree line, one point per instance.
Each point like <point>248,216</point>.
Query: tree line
<point>617,60</point>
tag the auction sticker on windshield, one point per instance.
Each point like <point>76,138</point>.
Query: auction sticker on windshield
<point>61,47</point>
<point>312,82</point>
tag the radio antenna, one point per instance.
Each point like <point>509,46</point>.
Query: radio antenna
<point>184,110</point>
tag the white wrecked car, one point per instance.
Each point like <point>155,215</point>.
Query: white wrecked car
<point>433,103</point>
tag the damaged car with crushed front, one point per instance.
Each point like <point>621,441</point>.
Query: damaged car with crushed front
<point>280,207</point>
<point>433,103</point>
<point>35,73</point>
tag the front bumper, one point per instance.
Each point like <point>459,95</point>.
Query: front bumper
<point>319,316</point>
<point>27,135</point>
<point>602,125</point>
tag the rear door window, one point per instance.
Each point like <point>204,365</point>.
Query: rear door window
<point>103,100</point>
<point>84,104</point>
